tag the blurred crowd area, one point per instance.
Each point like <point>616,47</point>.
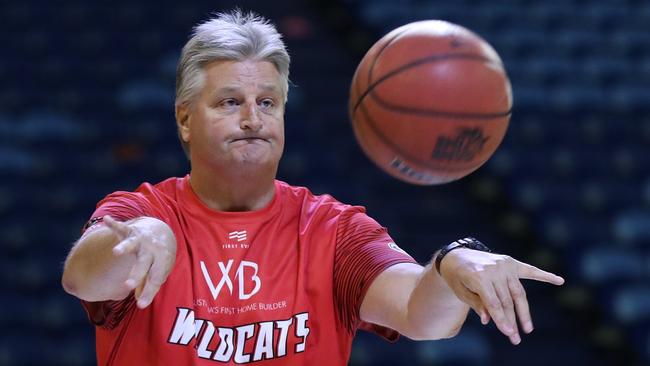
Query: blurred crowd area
<point>86,108</point>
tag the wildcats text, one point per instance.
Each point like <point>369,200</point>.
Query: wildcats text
<point>242,344</point>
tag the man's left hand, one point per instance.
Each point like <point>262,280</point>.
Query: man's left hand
<point>490,284</point>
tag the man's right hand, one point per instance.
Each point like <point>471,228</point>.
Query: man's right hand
<point>154,258</point>
<point>113,260</point>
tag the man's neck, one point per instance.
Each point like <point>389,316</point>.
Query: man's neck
<point>233,192</point>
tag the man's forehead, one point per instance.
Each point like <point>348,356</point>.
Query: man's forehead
<point>233,75</point>
<point>246,67</point>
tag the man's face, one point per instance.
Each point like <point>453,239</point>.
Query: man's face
<point>238,117</point>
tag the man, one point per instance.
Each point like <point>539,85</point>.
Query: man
<point>229,265</point>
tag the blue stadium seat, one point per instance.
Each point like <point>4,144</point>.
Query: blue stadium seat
<point>632,303</point>
<point>15,238</point>
<point>521,44</point>
<point>50,126</point>
<point>385,14</point>
<point>607,72</point>
<point>632,226</point>
<point>17,162</point>
<point>456,351</point>
<point>577,43</point>
<point>571,229</point>
<point>143,94</point>
<point>612,264</point>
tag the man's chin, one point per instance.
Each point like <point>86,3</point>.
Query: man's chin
<point>255,159</point>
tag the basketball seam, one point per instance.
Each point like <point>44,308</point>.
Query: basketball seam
<point>437,113</point>
<point>428,112</point>
<point>372,66</point>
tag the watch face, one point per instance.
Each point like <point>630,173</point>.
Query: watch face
<point>474,244</point>
<point>454,245</point>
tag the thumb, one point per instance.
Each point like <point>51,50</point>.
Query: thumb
<point>474,302</point>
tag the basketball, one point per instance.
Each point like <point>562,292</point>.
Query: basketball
<point>430,102</point>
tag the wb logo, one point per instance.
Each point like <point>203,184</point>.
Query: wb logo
<point>240,276</point>
<point>462,147</point>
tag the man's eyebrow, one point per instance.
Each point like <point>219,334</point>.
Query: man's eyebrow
<point>230,89</point>
<point>227,89</point>
<point>269,87</point>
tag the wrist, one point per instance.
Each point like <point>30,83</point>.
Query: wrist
<point>466,243</point>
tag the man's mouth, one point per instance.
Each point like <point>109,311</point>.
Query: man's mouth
<point>249,139</point>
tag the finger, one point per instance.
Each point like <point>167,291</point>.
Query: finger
<point>138,290</point>
<point>485,317</point>
<point>492,303</point>
<point>528,272</point>
<point>155,279</point>
<point>128,245</point>
<point>120,229</point>
<point>503,293</point>
<point>521,304</point>
<point>474,301</point>
<point>139,270</point>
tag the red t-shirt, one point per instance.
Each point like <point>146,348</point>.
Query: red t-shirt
<point>281,285</point>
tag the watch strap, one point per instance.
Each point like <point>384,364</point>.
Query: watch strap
<point>469,243</point>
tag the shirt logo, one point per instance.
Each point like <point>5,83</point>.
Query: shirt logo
<point>239,235</point>
<point>394,247</point>
<point>245,275</point>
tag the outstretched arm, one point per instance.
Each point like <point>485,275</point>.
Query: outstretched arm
<point>421,304</point>
<point>109,262</point>
<point>415,301</point>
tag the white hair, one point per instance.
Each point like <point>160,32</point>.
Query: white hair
<point>232,36</point>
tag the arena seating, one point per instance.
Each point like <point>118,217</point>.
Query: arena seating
<point>86,108</point>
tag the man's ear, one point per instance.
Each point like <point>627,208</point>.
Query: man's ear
<point>183,121</point>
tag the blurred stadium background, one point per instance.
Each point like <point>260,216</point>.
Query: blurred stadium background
<point>86,108</point>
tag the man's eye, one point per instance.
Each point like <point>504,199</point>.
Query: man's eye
<point>228,103</point>
<point>267,103</point>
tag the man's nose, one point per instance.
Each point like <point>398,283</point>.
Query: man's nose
<point>250,119</point>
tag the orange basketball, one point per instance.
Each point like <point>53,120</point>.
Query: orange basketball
<point>430,102</point>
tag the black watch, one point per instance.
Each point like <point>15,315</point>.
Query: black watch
<point>469,243</point>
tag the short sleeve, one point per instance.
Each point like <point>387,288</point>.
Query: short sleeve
<point>122,206</point>
<point>363,251</point>
<point>108,314</point>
